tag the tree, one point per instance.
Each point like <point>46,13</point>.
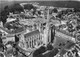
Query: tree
<point>28,6</point>
<point>3,19</point>
<point>39,51</point>
<point>76,10</point>
<point>54,10</point>
<point>16,8</point>
<point>69,10</point>
<point>59,15</point>
<point>49,46</point>
<point>4,14</point>
<point>13,8</point>
<point>52,33</point>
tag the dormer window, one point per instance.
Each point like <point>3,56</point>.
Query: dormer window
<point>3,34</point>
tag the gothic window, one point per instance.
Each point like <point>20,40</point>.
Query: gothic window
<point>22,44</point>
<point>32,36</point>
<point>38,43</point>
<point>26,40</point>
<point>41,42</point>
<point>35,36</point>
<point>32,43</point>
<point>28,44</point>
<point>39,38</point>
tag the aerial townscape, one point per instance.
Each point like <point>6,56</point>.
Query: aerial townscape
<point>33,30</point>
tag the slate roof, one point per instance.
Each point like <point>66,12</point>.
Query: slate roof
<point>32,33</point>
<point>14,32</point>
<point>64,32</point>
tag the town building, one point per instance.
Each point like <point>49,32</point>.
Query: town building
<point>10,35</point>
<point>11,19</point>
<point>6,31</point>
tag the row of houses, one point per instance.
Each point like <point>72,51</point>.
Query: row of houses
<point>30,40</point>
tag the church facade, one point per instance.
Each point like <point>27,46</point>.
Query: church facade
<point>31,40</point>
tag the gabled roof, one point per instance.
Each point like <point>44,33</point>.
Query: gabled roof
<point>9,35</point>
<point>32,33</point>
<point>4,29</point>
<point>14,32</point>
<point>64,32</point>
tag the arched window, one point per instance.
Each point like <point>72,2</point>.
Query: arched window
<point>22,45</point>
<point>26,44</point>
<point>26,39</point>
<point>39,37</point>
<point>35,36</point>
<point>34,42</point>
<point>30,44</point>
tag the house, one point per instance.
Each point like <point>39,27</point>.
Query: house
<point>8,35</point>
<point>26,22</point>
<point>11,19</point>
<point>17,31</point>
<point>7,38</point>
<point>55,22</point>
<point>32,40</point>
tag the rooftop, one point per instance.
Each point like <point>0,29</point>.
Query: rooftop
<point>64,32</point>
<point>32,33</point>
<point>12,32</point>
<point>11,19</point>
